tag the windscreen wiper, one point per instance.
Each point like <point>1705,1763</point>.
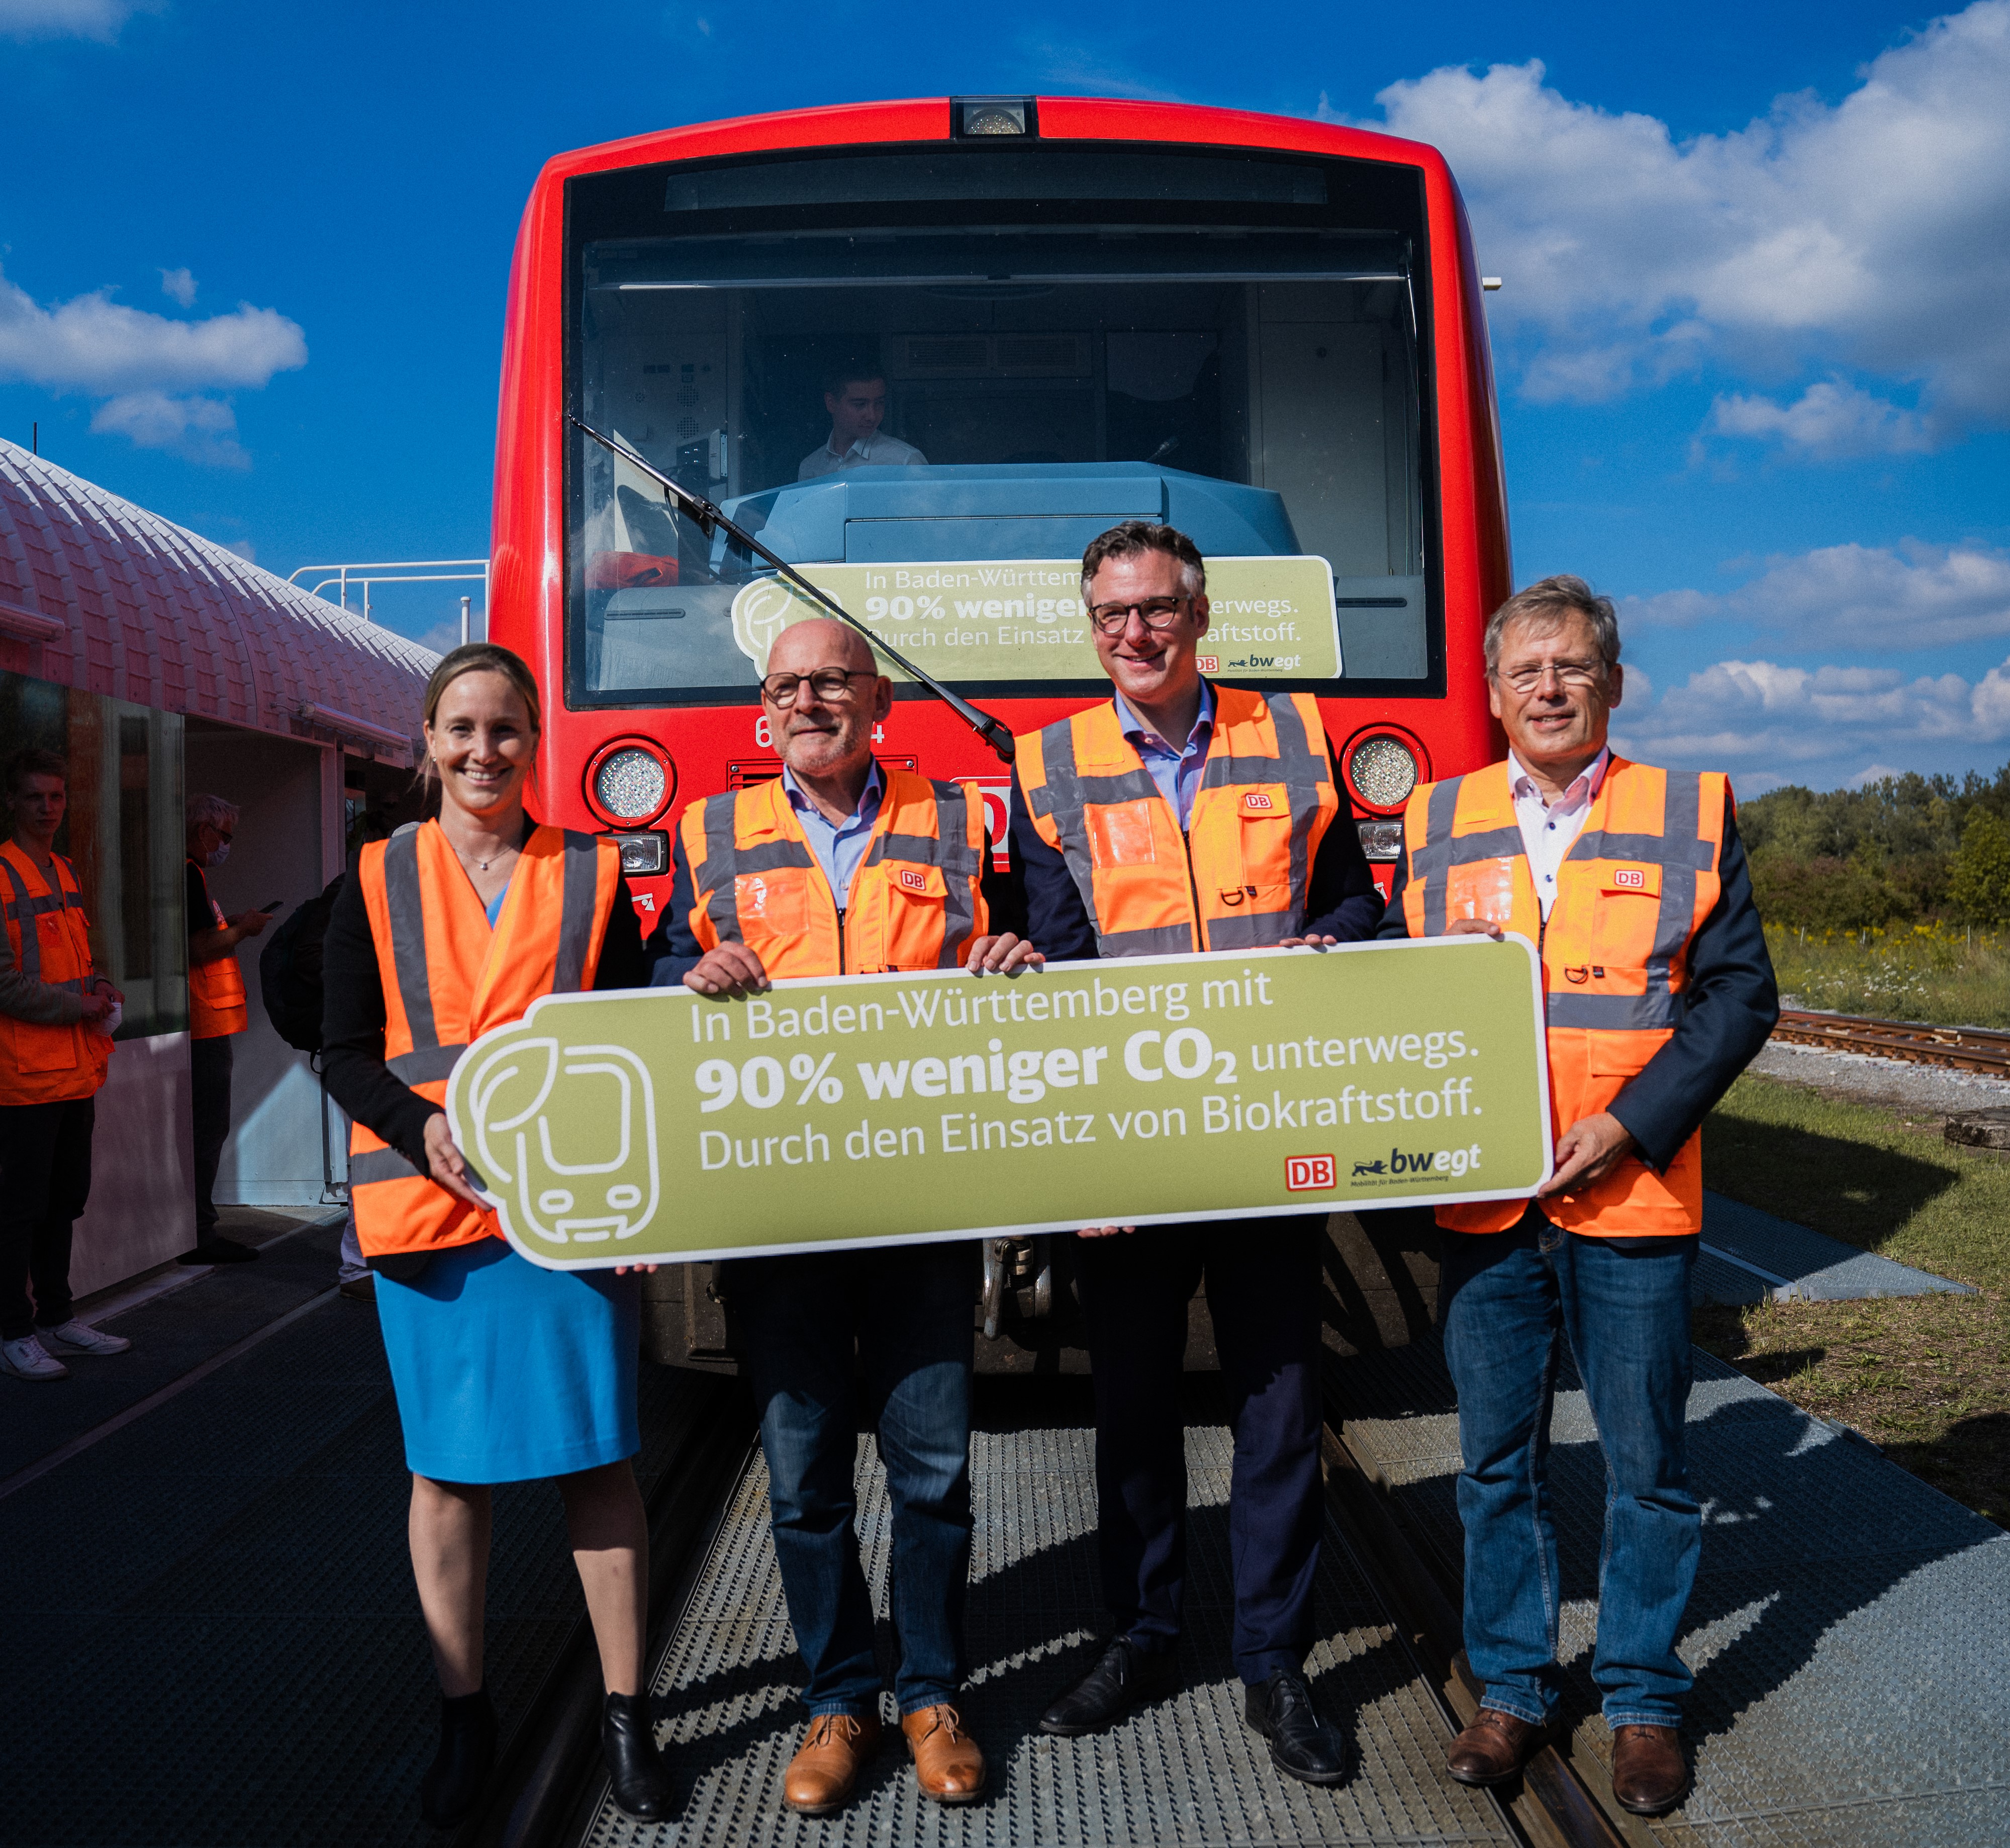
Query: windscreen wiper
<point>709,519</point>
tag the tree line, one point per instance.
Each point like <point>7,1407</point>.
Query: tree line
<point>1898,850</point>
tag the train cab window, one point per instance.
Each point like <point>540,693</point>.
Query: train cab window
<point>1257,383</point>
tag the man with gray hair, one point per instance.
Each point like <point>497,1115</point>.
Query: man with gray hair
<point>1658,990</point>
<point>217,1012</point>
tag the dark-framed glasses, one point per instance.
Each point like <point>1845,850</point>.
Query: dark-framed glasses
<point>1154,612</point>
<point>1569,674</point>
<point>828,683</point>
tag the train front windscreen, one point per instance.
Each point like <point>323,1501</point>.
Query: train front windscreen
<point>1020,369</point>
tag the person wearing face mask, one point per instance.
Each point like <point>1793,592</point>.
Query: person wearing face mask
<point>217,1014</point>
<point>503,1371</point>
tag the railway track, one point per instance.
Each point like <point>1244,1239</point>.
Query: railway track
<point>546,1795</point>
<point>1964,1049</point>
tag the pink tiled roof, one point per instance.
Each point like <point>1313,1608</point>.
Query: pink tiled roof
<point>98,594</point>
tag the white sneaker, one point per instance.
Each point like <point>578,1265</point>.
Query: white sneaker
<point>80,1337</point>
<point>28,1360</point>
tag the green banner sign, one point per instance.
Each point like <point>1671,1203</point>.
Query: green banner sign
<point>1023,620</point>
<point>656,1125</point>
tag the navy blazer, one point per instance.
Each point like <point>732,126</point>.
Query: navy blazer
<point>1730,1005</point>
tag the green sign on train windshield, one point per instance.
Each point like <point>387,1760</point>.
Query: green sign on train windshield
<point>641,1127</point>
<point>1023,618</point>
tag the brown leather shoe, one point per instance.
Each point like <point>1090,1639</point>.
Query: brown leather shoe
<point>821,1776</point>
<point>949,1765</point>
<point>1494,1748</point>
<point>1649,1772</point>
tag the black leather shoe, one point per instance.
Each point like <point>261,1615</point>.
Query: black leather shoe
<point>1125,1677</point>
<point>1302,1745</point>
<point>636,1771</point>
<point>461,1767</point>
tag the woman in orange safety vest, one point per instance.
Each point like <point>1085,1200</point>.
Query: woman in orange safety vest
<point>504,1372</point>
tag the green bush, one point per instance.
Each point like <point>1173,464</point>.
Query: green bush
<point>1979,881</point>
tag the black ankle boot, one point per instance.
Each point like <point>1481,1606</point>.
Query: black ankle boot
<point>635,1768</point>
<point>460,1768</point>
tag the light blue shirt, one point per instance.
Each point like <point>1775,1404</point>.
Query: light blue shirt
<point>839,850</point>
<point>1177,773</point>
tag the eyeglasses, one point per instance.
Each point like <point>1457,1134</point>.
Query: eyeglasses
<point>829,683</point>
<point>1156,612</point>
<point>1569,674</point>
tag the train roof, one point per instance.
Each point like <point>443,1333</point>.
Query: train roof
<point>98,594</point>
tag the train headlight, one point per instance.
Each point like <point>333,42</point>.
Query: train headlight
<point>629,782</point>
<point>1382,770</point>
<point>1381,840</point>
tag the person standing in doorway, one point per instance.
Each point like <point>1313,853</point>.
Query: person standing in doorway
<point>217,1014</point>
<point>56,1016</point>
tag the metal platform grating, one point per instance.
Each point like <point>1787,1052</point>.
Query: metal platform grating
<point>1188,1770</point>
<point>1849,1631</point>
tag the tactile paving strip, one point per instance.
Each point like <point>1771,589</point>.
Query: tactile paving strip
<point>1849,1630</point>
<point>1188,1770</point>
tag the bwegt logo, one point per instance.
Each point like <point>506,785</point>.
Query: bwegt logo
<point>1428,1161</point>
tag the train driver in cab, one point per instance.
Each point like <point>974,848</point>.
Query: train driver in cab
<point>1659,991</point>
<point>1178,816</point>
<point>839,864</point>
<point>856,398</point>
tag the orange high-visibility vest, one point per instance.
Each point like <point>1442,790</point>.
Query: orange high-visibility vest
<point>216,988</point>
<point>449,978</point>
<point>1238,879</point>
<point>50,938</point>
<point>1631,895</point>
<point>914,902</point>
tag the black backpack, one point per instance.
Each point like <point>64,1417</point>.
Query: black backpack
<point>289,971</point>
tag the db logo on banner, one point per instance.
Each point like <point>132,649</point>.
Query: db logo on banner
<point>1208,663</point>
<point>1309,1174</point>
<point>914,880</point>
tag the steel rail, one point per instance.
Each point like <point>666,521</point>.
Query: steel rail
<point>1963,1049</point>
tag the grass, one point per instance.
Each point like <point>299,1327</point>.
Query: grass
<point>1932,972</point>
<point>1927,1378</point>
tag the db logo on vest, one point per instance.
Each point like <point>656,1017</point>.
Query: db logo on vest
<point>1259,800</point>
<point>1629,879</point>
<point>1308,1174</point>
<point>914,881</point>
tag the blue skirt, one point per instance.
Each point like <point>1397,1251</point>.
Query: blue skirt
<point>508,1373</point>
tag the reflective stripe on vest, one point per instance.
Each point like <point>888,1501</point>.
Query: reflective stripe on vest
<point>1265,800</point>
<point>914,903</point>
<point>448,978</point>
<point>41,1063</point>
<point>217,1003</point>
<point>1632,892</point>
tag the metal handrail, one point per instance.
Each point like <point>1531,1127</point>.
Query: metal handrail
<point>413,570</point>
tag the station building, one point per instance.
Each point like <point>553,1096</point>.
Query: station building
<point>161,665</point>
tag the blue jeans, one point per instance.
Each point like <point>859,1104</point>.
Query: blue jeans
<point>1504,1299</point>
<point>834,1340</point>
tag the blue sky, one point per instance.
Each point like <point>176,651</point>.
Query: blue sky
<point>1754,353</point>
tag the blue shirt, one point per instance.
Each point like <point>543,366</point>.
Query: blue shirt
<point>839,850</point>
<point>1177,773</point>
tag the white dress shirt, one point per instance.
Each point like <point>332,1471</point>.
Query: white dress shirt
<point>878,450</point>
<point>1549,829</point>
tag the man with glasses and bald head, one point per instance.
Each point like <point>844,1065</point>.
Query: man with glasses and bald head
<point>1179,816</point>
<point>844,866</point>
<point>1658,990</point>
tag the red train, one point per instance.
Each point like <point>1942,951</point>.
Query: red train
<point>925,351</point>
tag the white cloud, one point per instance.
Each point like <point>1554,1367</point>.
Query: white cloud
<point>157,375</point>
<point>92,343</point>
<point>202,429</point>
<point>99,19</point>
<point>1760,715</point>
<point>1912,596</point>
<point>1874,234</point>
<point>1829,420</point>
